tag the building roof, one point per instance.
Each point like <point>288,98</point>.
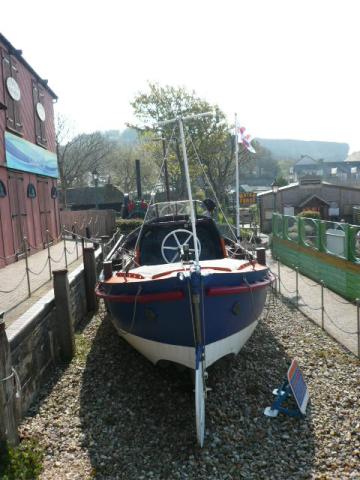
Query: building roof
<point>18,54</point>
<point>91,195</point>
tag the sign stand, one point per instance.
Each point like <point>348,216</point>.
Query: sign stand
<point>293,386</point>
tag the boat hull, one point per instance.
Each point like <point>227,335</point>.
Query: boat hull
<point>156,317</point>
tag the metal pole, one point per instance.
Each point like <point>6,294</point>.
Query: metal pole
<point>188,184</point>
<point>322,304</point>
<point>358,323</point>
<point>237,181</point>
<point>27,266</point>
<point>76,242</point>
<point>297,286</point>
<point>48,249</point>
<point>65,255</point>
<point>166,173</point>
<point>138,179</point>
<point>279,280</point>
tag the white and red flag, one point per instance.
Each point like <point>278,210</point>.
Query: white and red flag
<point>246,139</point>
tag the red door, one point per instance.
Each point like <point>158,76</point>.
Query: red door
<point>44,206</point>
<point>18,211</point>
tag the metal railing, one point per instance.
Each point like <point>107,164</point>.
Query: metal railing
<point>35,278</point>
<point>326,317</point>
<point>334,238</point>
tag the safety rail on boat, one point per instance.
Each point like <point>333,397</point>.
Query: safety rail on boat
<point>175,208</point>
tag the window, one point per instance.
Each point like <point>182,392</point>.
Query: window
<point>354,170</point>
<point>39,113</point>
<point>334,171</point>
<point>53,192</point>
<point>12,92</point>
<point>31,191</point>
<point>2,189</point>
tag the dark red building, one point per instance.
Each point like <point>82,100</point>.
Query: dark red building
<point>28,162</point>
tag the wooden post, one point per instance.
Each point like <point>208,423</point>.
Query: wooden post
<point>90,278</point>
<point>8,427</point>
<point>261,255</point>
<point>64,319</point>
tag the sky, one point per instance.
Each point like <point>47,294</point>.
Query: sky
<point>288,68</point>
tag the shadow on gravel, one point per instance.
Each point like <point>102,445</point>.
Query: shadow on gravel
<point>138,419</point>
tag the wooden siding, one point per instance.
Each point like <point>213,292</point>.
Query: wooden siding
<point>26,106</point>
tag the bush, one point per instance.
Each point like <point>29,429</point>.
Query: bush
<point>23,462</point>
<point>309,214</point>
<point>128,225</point>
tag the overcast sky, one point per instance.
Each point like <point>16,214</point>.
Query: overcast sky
<point>289,68</point>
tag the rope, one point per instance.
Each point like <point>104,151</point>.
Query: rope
<point>13,289</point>
<point>152,198</point>
<point>212,188</point>
<point>339,328</point>
<point>7,378</point>
<point>309,284</point>
<point>59,259</point>
<point>39,273</point>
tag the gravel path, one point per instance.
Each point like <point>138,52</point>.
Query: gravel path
<point>113,415</point>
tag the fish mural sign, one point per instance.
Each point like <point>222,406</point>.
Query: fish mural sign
<point>25,156</point>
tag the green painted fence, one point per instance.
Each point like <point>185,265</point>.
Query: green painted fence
<point>324,251</point>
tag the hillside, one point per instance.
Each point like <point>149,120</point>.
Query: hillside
<point>282,149</point>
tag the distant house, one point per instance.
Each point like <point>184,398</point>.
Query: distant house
<point>101,197</point>
<point>333,202</point>
<point>346,171</point>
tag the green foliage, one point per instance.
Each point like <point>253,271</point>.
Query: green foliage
<point>127,226</point>
<point>254,213</point>
<point>209,135</point>
<point>309,214</point>
<point>23,462</point>
<point>281,181</point>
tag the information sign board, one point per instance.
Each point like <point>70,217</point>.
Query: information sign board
<point>298,386</point>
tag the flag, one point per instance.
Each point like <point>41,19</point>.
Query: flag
<point>245,139</point>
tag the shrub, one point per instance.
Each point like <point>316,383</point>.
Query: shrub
<point>128,225</point>
<point>23,462</point>
<point>309,214</point>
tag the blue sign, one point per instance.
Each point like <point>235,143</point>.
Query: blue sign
<point>28,157</point>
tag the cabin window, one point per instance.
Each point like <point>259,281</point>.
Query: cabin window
<point>39,113</point>
<point>53,192</point>
<point>2,189</point>
<point>31,191</point>
<point>12,93</point>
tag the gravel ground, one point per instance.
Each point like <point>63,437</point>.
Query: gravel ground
<point>112,415</point>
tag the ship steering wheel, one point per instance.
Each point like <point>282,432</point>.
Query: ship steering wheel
<point>173,244</point>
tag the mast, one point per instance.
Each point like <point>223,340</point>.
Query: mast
<point>188,185</point>
<point>180,121</point>
<point>237,181</point>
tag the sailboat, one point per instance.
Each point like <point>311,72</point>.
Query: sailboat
<point>174,293</point>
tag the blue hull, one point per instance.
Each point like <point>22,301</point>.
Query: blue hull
<point>170,321</point>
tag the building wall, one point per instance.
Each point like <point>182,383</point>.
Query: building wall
<point>20,215</point>
<point>345,198</point>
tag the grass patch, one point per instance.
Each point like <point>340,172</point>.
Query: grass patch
<point>83,346</point>
<point>23,462</point>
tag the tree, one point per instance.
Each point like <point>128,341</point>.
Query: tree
<point>79,155</point>
<point>208,137</point>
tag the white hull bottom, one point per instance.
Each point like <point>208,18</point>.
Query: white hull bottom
<point>155,351</point>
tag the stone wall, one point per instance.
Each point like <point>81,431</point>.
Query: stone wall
<point>33,338</point>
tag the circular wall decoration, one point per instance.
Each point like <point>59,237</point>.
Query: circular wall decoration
<point>40,110</point>
<point>53,192</point>
<point>13,88</point>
